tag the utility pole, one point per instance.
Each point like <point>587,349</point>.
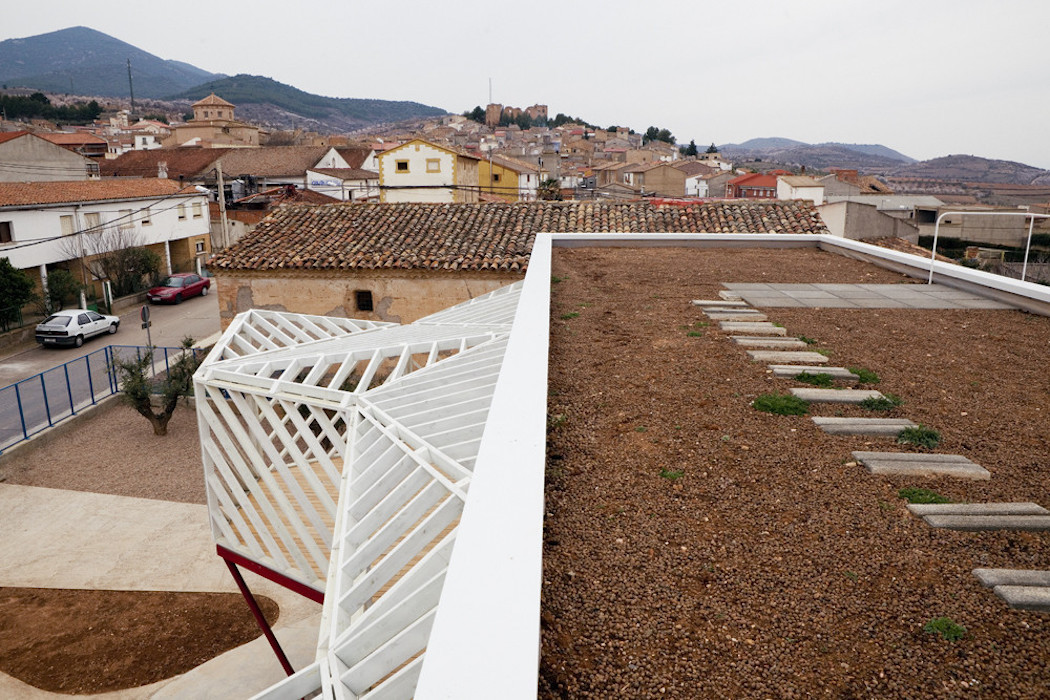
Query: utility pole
<point>222,205</point>
<point>131,88</point>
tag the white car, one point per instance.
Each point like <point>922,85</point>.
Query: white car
<point>73,326</point>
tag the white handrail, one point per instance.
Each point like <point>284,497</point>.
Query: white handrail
<point>1031,225</point>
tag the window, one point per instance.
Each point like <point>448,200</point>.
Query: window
<point>364,300</point>
<point>402,166</point>
<point>124,222</point>
<point>5,232</point>
<point>182,212</point>
<point>433,165</point>
<point>496,177</point>
<point>146,220</point>
<point>67,224</point>
<point>200,246</point>
<point>92,220</point>
<point>198,210</point>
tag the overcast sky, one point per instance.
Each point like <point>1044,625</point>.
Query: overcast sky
<point>925,77</point>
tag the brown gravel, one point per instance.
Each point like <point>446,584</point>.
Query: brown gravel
<point>775,568</point>
<point>115,452</point>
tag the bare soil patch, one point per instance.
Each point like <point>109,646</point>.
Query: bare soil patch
<point>80,642</point>
<point>773,566</point>
<point>116,452</point>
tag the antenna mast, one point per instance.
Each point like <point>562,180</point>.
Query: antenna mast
<point>131,87</point>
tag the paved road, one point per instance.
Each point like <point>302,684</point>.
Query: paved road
<point>197,318</point>
<point>62,380</point>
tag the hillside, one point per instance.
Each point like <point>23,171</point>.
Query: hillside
<point>269,102</point>
<point>964,168</point>
<point>79,60</point>
<point>870,158</point>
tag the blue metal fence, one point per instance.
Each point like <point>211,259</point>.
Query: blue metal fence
<point>35,404</point>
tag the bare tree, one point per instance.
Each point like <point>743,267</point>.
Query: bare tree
<point>116,253</point>
<point>138,387</point>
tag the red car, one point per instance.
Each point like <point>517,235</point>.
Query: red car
<point>179,286</point>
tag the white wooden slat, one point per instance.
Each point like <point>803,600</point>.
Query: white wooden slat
<point>394,499</point>
<point>393,529</point>
<point>400,686</point>
<point>377,489</point>
<point>403,646</point>
<point>319,554</point>
<point>264,441</point>
<point>393,561</point>
<point>434,563</point>
<point>367,638</point>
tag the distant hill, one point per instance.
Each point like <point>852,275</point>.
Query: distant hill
<point>269,102</point>
<point>871,158</point>
<point>83,61</point>
<point>963,168</point>
<point>762,144</point>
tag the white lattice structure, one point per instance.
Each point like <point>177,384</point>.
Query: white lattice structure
<point>338,455</point>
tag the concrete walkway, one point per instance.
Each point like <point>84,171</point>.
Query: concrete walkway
<point>861,296</point>
<point>77,540</point>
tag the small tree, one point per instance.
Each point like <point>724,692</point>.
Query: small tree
<point>16,289</point>
<point>137,386</point>
<point>62,285</point>
<point>689,150</point>
<point>549,190</point>
<point>712,148</point>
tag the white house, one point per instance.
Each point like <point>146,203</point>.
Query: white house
<point>419,171</point>
<point>347,184</point>
<point>800,187</point>
<point>56,224</point>
<point>25,157</point>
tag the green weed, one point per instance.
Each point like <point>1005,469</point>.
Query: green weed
<point>671,475</point>
<point>946,627</point>
<point>914,494</point>
<point>865,376</point>
<point>807,341</point>
<point>886,402</point>
<point>781,404</point>
<point>922,436</point>
<point>569,315</point>
<point>819,379</point>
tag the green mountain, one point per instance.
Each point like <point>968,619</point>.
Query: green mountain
<point>82,61</point>
<point>268,101</point>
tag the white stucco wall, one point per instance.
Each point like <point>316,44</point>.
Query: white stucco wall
<point>417,154</point>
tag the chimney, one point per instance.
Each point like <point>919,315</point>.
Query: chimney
<point>162,169</point>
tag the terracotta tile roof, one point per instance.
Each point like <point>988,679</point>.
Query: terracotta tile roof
<point>518,166</point>
<point>494,237</point>
<point>347,173</point>
<point>64,139</point>
<point>272,161</point>
<point>694,167</point>
<point>904,246</point>
<point>189,163</point>
<point>800,181</point>
<point>20,194</point>
<point>354,155</point>
<point>10,135</point>
<point>212,100</point>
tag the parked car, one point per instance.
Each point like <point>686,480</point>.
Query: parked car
<point>73,326</point>
<point>179,286</point>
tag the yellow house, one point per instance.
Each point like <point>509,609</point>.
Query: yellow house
<point>508,178</point>
<point>420,171</point>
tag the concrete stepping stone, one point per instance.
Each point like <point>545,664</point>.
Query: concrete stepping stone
<point>746,317</point>
<point>913,464</point>
<point>835,395</point>
<point>754,328</point>
<point>1025,508</point>
<point>982,523</point>
<point>872,427</point>
<point>991,578</point>
<point>728,295</point>
<point>790,371</point>
<point>721,303</point>
<point>786,356</point>
<point>1035,598</point>
<point>750,341</point>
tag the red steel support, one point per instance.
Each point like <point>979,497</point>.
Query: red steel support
<point>260,618</point>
